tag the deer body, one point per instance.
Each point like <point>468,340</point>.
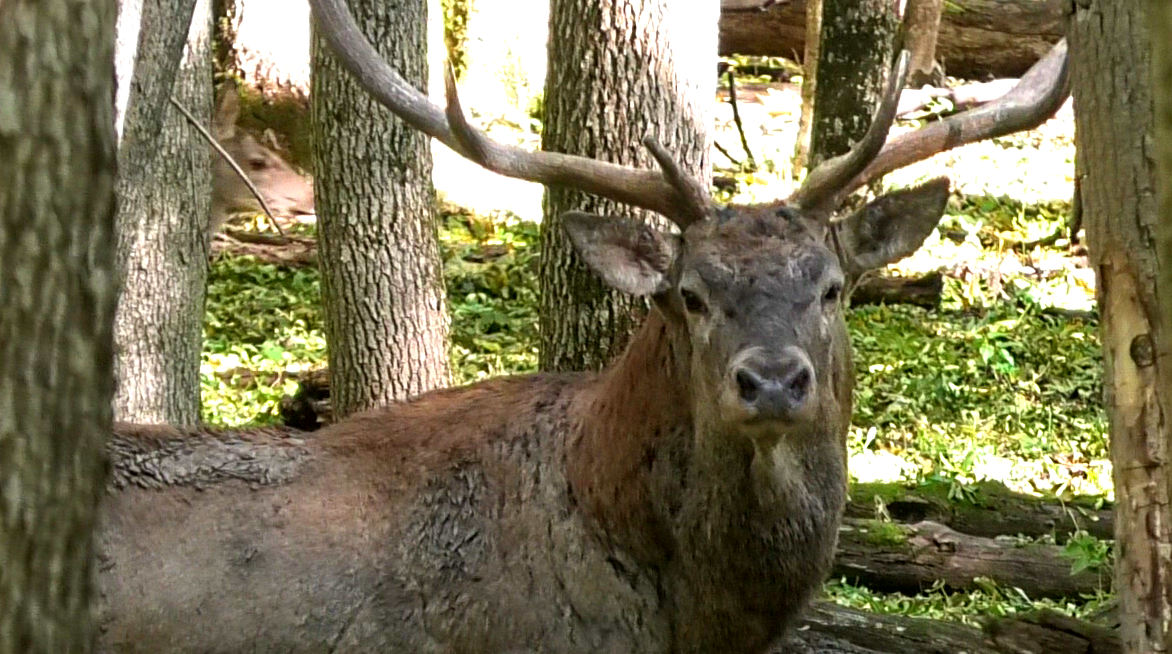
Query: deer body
<point>479,519</point>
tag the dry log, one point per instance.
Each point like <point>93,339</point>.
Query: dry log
<point>925,291</point>
<point>978,38</point>
<point>898,558</point>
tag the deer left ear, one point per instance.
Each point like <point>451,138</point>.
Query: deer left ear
<point>891,226</point>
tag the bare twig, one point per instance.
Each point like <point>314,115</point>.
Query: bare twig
<point>732,100</point>
<point>728,156</point>
<point>231,162</point>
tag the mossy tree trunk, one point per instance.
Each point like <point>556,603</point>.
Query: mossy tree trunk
<point>164,191</point>
<point>853,56</point>
<point>57,294</point>
<point>1110,49</point>
<point>618,70</point>
<point>386,316</point>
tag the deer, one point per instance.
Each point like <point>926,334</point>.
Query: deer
<point>287,192</point>
<point>686,499</point>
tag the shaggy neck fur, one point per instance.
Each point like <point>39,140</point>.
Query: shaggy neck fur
<point>735,525</point>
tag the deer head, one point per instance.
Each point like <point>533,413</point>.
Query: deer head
<point>287,192</point>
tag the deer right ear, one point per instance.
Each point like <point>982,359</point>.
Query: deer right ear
<point>629,255</point>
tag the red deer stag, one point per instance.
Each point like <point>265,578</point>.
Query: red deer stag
<point>287,192</point>
<point>687,499</point>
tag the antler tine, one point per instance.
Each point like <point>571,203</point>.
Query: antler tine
<point>696,201</point>
<point>818,191</point>
<point>1036,97</point>
<point>647,189</point>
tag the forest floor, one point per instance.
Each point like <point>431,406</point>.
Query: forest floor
<point>1002,382</point>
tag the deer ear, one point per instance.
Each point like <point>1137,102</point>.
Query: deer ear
<point>227,111</point>
<point>891,226</point>
<point>629,255</point>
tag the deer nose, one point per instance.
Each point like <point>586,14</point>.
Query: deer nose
<point>779,388</point>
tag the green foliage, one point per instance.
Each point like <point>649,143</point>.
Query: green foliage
<point>1087,552</point>
<point>456,32</point>
<point>490,270</point>
<point>970,607</point>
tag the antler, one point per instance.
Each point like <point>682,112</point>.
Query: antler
<point>1036,97</point>
<point>820,192</point>
<point>672,193</point>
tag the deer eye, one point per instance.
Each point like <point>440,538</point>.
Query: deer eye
<point>692,302</point>
<point>257,163</point>
<point>832,293</point>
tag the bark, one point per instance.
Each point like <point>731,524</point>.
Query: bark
<point>164,190</point>
<point>923,27</point>
<point>1159,19</point>
<point>855,52</point>
<point>57,295</point>
<point>385,312</point>
<point>1113,116</point>
<point>977,38</point>
<point>900,558</point>
<point>619,70</point>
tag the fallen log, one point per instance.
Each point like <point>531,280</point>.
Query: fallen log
<point>891,557</point>
<point>989,510</point>
<point>977,39</point>
<point>925,291</point>
<point>831,629</point>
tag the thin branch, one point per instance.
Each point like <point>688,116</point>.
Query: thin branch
<point>728,156</point>
<point>732,100</point>
<point>231,162</point>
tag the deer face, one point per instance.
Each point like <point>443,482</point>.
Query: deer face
<point>287,192</point>
<point>757,298</point>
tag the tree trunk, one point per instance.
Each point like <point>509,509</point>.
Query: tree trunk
<point>809,84</point>
<point>619,70</point>
<point>164,190</point>
<point>385,312</point>
<point>977,38</point>
<point>1159,19</point>
<point>57,295</point>
<point>923,28</point>
<point>854,53</point>
<point>1113,115</point>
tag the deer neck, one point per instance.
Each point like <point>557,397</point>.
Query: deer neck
<point>632,424</point>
